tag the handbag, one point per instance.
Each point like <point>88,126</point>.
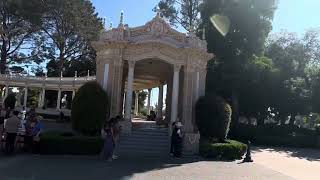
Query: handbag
<point>36,138</point>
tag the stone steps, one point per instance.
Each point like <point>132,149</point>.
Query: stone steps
<point>145,142</point>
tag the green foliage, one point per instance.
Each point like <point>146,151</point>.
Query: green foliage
<point>33,97</point>
<point>18,32</point>
<point>276,135</point>
<point>230,150</point>
<point>315,100</point>
<point>144,112</point>
<point>250,24</point>
<point>297,60</point>
<point>213,117</point>
<point>68,27</point>
<point>89,109</point>
<point>185,13</point>
<point>68,143</point>
<point>10,101</point>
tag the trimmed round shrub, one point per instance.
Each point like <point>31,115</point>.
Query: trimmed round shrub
<point>89,109</point>
<point>229,150</point>
<point>213,117</point>
<point>10,101</point>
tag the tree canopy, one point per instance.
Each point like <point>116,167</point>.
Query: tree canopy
<point>68,27</point>
<point>185,13</point>
<point>19,40</point>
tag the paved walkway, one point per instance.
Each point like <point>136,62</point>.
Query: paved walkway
<point>297,163</point>
<point>269,163</point>
<point>83,168</point>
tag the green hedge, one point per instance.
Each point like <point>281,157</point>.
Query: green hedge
<point>89,109</point>
<point>213,117</point>
<point>10,101</point>
<point>287,141</point>
<point>68,143</point>
<point>230,150</point>
<point>275,135</point>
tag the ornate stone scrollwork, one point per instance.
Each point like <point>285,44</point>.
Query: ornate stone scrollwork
<point>176,67</point>
<point>131,64</point>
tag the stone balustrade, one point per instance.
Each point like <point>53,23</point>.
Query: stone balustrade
<point>59,84</point>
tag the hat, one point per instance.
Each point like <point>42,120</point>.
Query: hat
<point>179,124</point>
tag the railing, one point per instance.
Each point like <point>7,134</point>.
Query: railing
<point>11,78</point>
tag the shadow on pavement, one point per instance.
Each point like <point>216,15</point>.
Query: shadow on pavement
<point>301,153</point>
<point>80,168</point>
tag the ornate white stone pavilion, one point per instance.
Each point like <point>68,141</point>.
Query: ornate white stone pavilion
<point>149,56</point>
<point>134,59</point>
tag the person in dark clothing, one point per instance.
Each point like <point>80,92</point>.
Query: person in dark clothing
<point>12,127</point>
<point>173,131</point>
<point>177,140</point>
<point>29,126</point>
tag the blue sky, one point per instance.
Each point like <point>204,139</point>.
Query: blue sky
<point>292,15</point>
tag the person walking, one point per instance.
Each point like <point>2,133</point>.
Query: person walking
<point>108,145</point>
<point>36,135</point>
<point>173,125</point>
<point>29,125</point>
<point>12,127</point>
<point>116,129</point>
<point>177,138</point>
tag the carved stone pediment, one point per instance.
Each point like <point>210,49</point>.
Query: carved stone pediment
<point>157,31</point>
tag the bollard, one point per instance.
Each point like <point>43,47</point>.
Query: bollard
<point>248,154</point>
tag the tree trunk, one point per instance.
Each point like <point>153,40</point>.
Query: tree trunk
<point>3,60</point>
<point>260,120</point>
<point>4,52</point>
<point>292,119</point>
<point>61,61</point>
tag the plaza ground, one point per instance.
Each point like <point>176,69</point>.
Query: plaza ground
<point>270,163</point>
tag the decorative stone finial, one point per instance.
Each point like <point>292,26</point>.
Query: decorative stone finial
<point>76,74</point>
<point>110,26</point>
<point>159,12</point>
<point>121,18</point>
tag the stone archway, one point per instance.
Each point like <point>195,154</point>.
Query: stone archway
<point>123,48</point>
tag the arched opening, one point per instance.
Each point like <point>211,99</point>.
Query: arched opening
<point>151,97</point>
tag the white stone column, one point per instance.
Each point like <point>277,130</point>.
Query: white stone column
<point>59,100</point>
<point>129,90</point>
<point>149,101</point>
<point>160,102</point>
<point>25,97</point>
<point>124,102</point>
<point>202,81</point>
<point>105,77</point>
<point>196,88</point>
<point>43,97</point>
<point>7,91</point>
<point>175,93</point>
<point>73,94</point>
<point>136,103</point>
<point>40,99</point>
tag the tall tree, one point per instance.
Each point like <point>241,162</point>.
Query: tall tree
<point>185,13</point>
<point>250,24</point>
<point>19,42</point>
<point>298,61</point>
<point>68,27</point>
